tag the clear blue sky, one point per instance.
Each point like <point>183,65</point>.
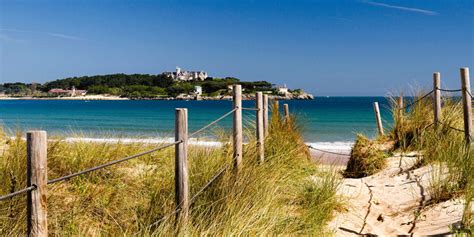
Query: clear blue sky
<point>348,47</point>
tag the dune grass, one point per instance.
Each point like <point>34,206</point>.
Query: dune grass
<point>287,194</point>
<point>367,158</point>
<point>440,145</point>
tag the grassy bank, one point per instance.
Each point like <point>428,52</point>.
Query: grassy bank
<point>287,194</point>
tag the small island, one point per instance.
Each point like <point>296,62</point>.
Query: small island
<point>176,85</point>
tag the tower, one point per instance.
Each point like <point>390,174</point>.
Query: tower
<point>178,70</point>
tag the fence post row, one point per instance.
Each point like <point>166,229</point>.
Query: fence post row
<point>37,174</point>
<point>437,98</point>
<point>287,111</point>
<point>237,127</point>
<point>265,114</point>
<point>378,119</point>
<point>181,166</point>
<point>260,129</point>
<point>467,107</point>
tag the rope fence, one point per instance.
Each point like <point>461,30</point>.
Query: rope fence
<point>193,198</point>
<point>16,193</point>
<point>250,109</point>
<point>36,143</point>
<point>111,163</point>
<point>329,152</point>
<point>416,101</point>
<point>449,90</point>
<point>212,123</point>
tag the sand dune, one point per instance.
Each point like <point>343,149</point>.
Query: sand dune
<point>392,203</point>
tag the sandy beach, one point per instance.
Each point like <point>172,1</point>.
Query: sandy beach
<point>393,202</point>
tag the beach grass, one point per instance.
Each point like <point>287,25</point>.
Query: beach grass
<point>367,158</point>
<point>440,146</point>
<point>287,194</point>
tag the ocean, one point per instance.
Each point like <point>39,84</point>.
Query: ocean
<point>327,122</point>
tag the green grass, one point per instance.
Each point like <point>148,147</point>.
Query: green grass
<point>287,194</point>
<point>367,158</point>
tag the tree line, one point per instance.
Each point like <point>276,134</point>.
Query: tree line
<point>134,86</point>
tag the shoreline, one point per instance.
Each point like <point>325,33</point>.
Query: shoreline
<point>201,98</point>
<point>320,157</point>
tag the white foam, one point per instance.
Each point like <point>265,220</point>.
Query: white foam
<point>328,146</point>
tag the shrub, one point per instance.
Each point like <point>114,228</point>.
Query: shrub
<point>367,158</point>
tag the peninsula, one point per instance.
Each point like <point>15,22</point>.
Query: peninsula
<point>184,85</point>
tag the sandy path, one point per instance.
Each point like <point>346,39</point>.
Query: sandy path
<point>389,204</point>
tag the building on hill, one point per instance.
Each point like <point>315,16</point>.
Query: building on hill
<point>187,75</point>
<point>283,90</point>
<point>73,92</point>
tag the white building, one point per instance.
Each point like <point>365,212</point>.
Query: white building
<point>187,75</point>
<point>282,89</point>
<point>198,90</point>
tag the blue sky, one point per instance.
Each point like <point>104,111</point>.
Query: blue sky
<point>347,47</point>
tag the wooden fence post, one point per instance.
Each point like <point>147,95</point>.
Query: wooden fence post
<point>287,112</point>
<point>260,130</point>
<point>181,166</point>
<point>37,171</point>
<point>437,98</point>
<point>265,114</point>
<point>378,118</point>
<point>467,107</point>
<point>400,108</point>
<point>276,108</point>
<point>237,127</point>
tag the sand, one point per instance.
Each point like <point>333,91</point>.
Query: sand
<point>386,204</point>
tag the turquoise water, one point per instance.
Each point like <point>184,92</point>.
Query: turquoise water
<point>333,119</point>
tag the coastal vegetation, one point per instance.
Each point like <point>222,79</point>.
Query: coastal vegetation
<point>441,146</point>
<point>138,86</point>
<point>287,194</point>
<point>367,158</point>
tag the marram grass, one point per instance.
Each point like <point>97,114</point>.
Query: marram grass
<point>287,194</point>
<point>441,146</point>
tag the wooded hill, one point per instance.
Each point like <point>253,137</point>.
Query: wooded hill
<point>135,85</point>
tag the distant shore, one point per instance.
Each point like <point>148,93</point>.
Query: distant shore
<point>180,97</point>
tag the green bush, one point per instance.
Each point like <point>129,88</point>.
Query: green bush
<point>367,158</point>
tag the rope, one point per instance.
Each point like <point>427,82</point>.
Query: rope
<point>449,90</point>
<point>468,92</point>
<point>111,163</point>
<point>330,152</point>
<point>453,128</point>
<point>416,101</point>
<point>252,109</point>
<point>212,123</point>
<point>10,195</point>
<point>191,201</point>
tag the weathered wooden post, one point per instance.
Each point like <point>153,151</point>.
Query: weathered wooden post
<point>466,101</point>
<point>237,127</point>
<point>436,98</point>
<point>378,118</point>
<point>400,108</point>
<point>265,114</point>
<point>37,171</point>
<point>400,103</point>
<point>276,109</point>
<point>260,130</point>
<point>181,166</point>
<point>287,112</point>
